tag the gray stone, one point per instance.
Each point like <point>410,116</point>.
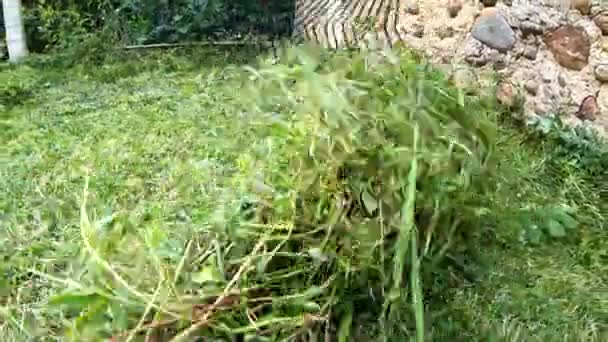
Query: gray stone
<point>601,72</point>
<point>530,52</point>
<point>601,20</point>
<point>583,6</point>
<point>464,78</point>
<point>475,53</point>
<point>495,32</point>
<point>454,7</point>
<point>412,7</point>
<point>418,30</point>
<point>531,87</point>
<point>535,18</point>
<point>596,8</point>
<point>561,80</point>
<point>528,27</point>
<point>446,32</point>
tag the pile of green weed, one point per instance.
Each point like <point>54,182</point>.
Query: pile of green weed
<point>369,179</point>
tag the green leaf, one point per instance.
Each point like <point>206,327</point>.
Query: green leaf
<point>317,254</point>
<point>563,215</point>
<point>555,229</point>
<point>313,292</point>
<point>370,203</point>
<point>568,221</point>
<point>534,236</point>
<point>120,316</point>
<point>345,326</point>
<point>75,299</point>
<point>311,307</point>
<point>208,273</point>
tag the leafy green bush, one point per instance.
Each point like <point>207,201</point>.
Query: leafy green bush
<point>147,21</point>
<point>59,24</point>
<point>62,24</point>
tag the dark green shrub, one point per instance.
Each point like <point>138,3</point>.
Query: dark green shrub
<point>61,24</point>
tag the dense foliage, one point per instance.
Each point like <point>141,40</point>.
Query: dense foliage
<point>65,22</point>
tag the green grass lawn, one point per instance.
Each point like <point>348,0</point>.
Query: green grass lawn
<point>551,290</point>
<point>154,144</point>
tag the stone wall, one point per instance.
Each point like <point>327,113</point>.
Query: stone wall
<point>552,54</point>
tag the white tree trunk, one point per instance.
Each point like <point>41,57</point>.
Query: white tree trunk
<point>15,35</point>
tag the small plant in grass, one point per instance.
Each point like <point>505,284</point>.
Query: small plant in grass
<point>546,221</point>
<point>578,148</point>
